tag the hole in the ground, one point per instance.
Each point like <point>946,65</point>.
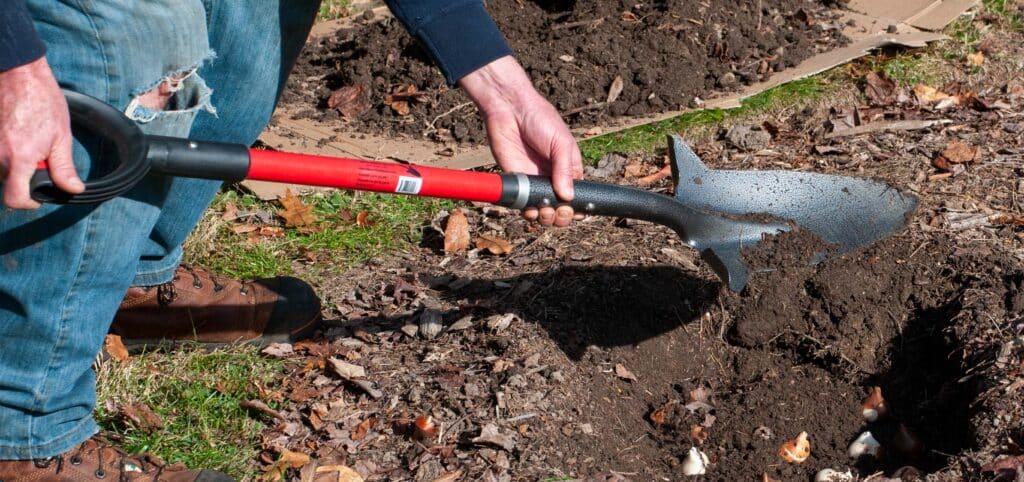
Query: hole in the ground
<point>925,387</point>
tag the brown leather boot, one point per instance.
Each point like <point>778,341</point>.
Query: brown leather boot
<point>98,459</point>
<point>197,306</point>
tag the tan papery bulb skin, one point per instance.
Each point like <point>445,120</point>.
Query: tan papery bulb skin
<point>797,450</point>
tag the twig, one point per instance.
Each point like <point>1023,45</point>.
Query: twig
<point>261,407</point>
<point>571,112</point>
<point>430,126</point>
<point>904,125</point>
<point>520,418</point>
<point>590,23</point>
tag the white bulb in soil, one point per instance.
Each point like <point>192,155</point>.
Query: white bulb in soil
<point>830,475</point>
<point>696,462</point>
<point>866,444</point>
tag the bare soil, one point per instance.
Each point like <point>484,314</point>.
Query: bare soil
<point>664,54</point>
<point>607,350</point>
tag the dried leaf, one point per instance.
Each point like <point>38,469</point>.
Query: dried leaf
<point>278,350</point>
<point>351,101</point>
<point>615,90</point>
<point>345,369</point>
<point>363,428</point>
<point>456,232</point>
<point>340,473</point>
<point>141,417</point>
<point>960,152</point>
<point>363,221</point>
<point>493,244</point>
<point>881,90</point>
<point>653,178</point>
<point>115,348</point>
<point>976,59</point>
<point>401,98</point>
<point>287,460</point>
<point>1008,465</point>
<point>230,211</point>
<point>927,94</point>
<point>243,228</point>
<point>698,434</point>
<point>942,164</point>
<point>449,476</point>
<point>295,212</point>
<point>489,435</point>
<point>659,415</point>
<point>634,169</point>
<point>271,231</point>
<point>622,372</point>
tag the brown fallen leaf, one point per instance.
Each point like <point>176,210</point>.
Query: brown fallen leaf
<point>363,429</point>
<point>456,232</point>
<point>243,228</point>
<point>271,231</point>
<point>351,101</point>
<point>1009,466</point>
<point>615,90</point>
<point>345,369</point>
<point>959,152</point>
<point>698,434</point>
<point>659,415</point>
<point>976,59</point>
<point>927,94</point>
<point>653,178</point>
<point>230,211</point>
<point>295,212</point>
<point>489,435</point>
<point>363,220</point>
<point>622,372</point>
<point>449,476</point>
<point>400,99</point>
<point>115,348</point>
<point>942,164</point>
<point>493,244</point>
<point>142,417</point>
<point>336,473</point>
<point>634,169</point>
<point>880,89</point>
<point>287,460</point>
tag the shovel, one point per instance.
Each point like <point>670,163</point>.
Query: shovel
<point>720,213</point>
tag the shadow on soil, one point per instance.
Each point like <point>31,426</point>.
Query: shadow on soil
<point>584,306</point>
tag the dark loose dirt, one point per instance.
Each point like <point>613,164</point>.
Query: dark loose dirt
<point>663,53</point>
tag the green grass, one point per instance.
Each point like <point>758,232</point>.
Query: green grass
<point>332,9</point>
<point>197,395</point>
<point>650,136</point>
<point>396,222</point>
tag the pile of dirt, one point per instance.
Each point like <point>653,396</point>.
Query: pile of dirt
<point>594,60</point>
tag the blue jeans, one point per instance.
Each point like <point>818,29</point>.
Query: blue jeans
<point>65,269</point>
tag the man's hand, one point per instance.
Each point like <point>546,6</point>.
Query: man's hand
<point>34,126</point>
<point>527,135</point>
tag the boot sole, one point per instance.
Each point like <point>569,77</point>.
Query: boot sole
<point>139,345</point>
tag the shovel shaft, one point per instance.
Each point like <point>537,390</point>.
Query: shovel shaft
<point>374,176</point>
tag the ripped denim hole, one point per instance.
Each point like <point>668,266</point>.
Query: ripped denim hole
<point>188,94</point>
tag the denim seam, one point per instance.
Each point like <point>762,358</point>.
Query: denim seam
<point>101,46</point>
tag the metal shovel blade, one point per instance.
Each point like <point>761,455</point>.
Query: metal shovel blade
<point>847,212</point>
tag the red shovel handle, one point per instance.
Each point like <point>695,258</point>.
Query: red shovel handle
<point>374,176</point>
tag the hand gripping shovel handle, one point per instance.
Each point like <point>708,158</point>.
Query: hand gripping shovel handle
<point>139,154</point>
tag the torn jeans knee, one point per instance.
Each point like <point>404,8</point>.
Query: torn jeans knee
<point>173,100</point>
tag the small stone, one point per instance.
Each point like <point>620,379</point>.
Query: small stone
<point>557,376</point>
<point>727,80</point>
<point>587,429</point>
<point>430,324</point>
<point>464,323</point>
<point>410,330</point>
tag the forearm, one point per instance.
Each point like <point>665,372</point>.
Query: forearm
<point>19,43</point>
<point>459,34</point>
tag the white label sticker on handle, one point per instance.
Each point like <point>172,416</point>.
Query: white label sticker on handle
<point>409,185</point>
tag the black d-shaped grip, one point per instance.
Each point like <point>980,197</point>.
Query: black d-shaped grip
<point>99,119</point>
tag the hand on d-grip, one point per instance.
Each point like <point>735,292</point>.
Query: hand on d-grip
<point>34,127</point>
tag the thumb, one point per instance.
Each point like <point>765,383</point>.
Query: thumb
<point>62,166</point>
